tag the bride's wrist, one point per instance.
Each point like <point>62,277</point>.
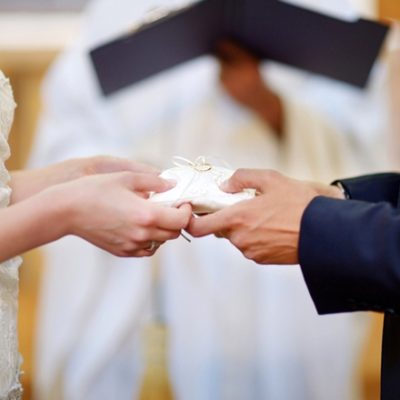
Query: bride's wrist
<point>59,209</point>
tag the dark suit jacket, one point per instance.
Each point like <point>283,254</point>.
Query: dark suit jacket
<point>349,253</point>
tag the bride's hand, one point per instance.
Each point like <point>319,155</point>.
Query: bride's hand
<point>29,182</point>
<point>108,211</point>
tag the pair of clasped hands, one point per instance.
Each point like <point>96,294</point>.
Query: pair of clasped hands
<point>104,200</point>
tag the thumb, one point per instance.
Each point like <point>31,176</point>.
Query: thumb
<point>242,179</point>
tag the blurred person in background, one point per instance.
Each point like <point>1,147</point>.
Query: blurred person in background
<point>235,331</point>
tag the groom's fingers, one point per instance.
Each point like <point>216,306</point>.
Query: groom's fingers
<point>258,179</point>
<point>210,224</point>
<point>239,181</point>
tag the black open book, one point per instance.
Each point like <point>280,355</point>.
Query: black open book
<point>270,29</point>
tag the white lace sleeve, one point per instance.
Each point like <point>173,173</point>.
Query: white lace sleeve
<point>10,388</point>
<point>7,106</point>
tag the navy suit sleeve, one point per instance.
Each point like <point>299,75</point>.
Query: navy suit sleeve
<point>374,188</point>
<point>349,250</point>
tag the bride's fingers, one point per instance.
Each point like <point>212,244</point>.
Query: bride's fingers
<point>145,252</point>
<point>163,235</point>
<point>174,218</point>
<point>139,254</point>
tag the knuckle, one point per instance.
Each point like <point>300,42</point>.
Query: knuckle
<point>259,259</point>
<point>138,236</point>
<point>249,254</point>
<point>175,235</point>
<point>237,240</point>
<point>147,218</point>
<point>172,235</point>
<point>271,175</point>
<point>237,220</point>
<point>120,253</point>
<point>194,232</point>
<point>126,247</point>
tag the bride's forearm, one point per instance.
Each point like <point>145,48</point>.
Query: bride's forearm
<point>27,183</point>
<point>31,223</point>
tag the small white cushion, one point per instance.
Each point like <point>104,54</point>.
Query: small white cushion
<point>198,184</point>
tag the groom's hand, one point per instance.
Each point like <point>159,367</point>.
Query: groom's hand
<point>266,228</point>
